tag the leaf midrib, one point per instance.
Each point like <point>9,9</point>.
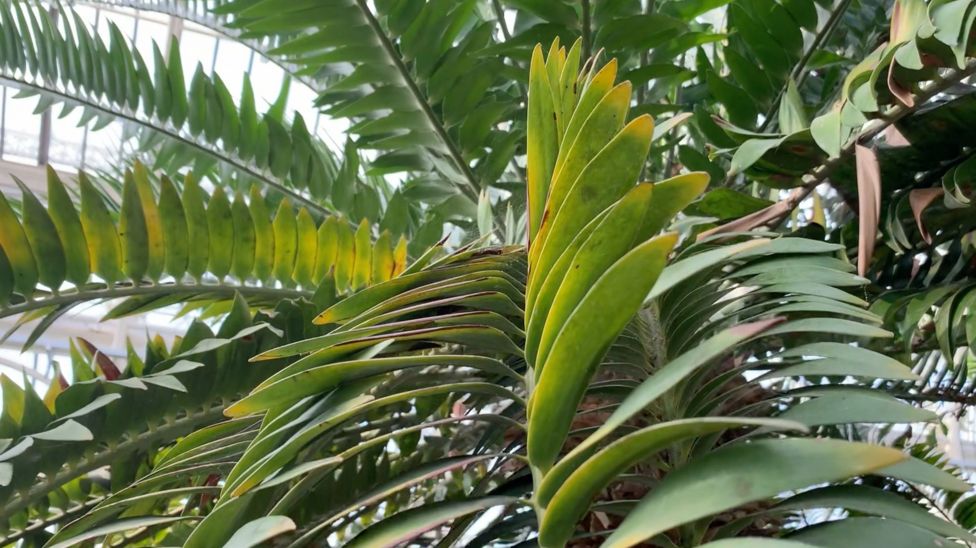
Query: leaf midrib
<point>469,186</point>
<point>312,205</point>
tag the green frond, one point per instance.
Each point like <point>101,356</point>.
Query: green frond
<point>891,86</point>
<point>202,13</point>
<point>415,83</point>
<point>390,362</point>
<point>176,246</point>
<point>66,62</point>
<point>705,376</point>
<point>123,418</point>
<point>657,339</point>
<point>591,265</point>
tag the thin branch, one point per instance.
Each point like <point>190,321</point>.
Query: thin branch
<point>647,6</point>
<point>888,118</point>
<point>799,73</point>
<point>44,523</point>
<point>160,289</point>
<point>496,5</point>
<point>586,30</point>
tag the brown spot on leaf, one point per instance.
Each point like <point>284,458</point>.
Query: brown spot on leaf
<point>759,218</point>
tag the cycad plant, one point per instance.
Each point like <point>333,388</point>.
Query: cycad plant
<point>600,384</point>
<point>569,326</point>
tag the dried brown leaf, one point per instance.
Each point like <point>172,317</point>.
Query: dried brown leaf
<point>903,95</point>
<point>919,199</point>
<point>895,138</point>
<point>763,217</point>
<point>869,204</point>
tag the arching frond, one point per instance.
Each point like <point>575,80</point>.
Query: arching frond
<point>66,62</point>
<point>416,80</point>
<point>697,388</point>
<point>57,444</point>
<point>202,12</point>
<point>177,246</point>
<point>891,100</point>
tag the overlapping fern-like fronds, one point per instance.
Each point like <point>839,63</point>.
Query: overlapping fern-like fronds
<point>895,79</point>
<point>926,272</point>
<point>593,260</point>
<point>380,359</point>
<point>202,12</point>
<point>677,393</point>
<point>177,246</point>
<point>412,81</point>
<point>57,446</point>
<point>65,62</point>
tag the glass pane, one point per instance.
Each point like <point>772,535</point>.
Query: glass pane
<point>88,14</point>
<point>232,61</point>
<point>102,150</point>
<point>64,361</point>
<point>332,131</point>
<point>301,99</point>
<point>123,18</point>
<point>22,129</point>
<point>266,78</point>
<point>67,138</point>
<point>150,31</point>
<point>196,48</point>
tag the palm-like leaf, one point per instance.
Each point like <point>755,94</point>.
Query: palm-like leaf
<point>179,246</point>
<point>202,12</point>
<point>885,89</point>
<point>632,358</point>
<point>902,100</point>
<point>65,62</point>
<point>121,419</point>
<point>410,87</point>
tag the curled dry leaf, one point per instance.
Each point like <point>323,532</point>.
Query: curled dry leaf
<point>919,199</point>
<point>903,95</point>
<point>103,362</point>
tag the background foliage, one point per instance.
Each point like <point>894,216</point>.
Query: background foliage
<point>761,342</point>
